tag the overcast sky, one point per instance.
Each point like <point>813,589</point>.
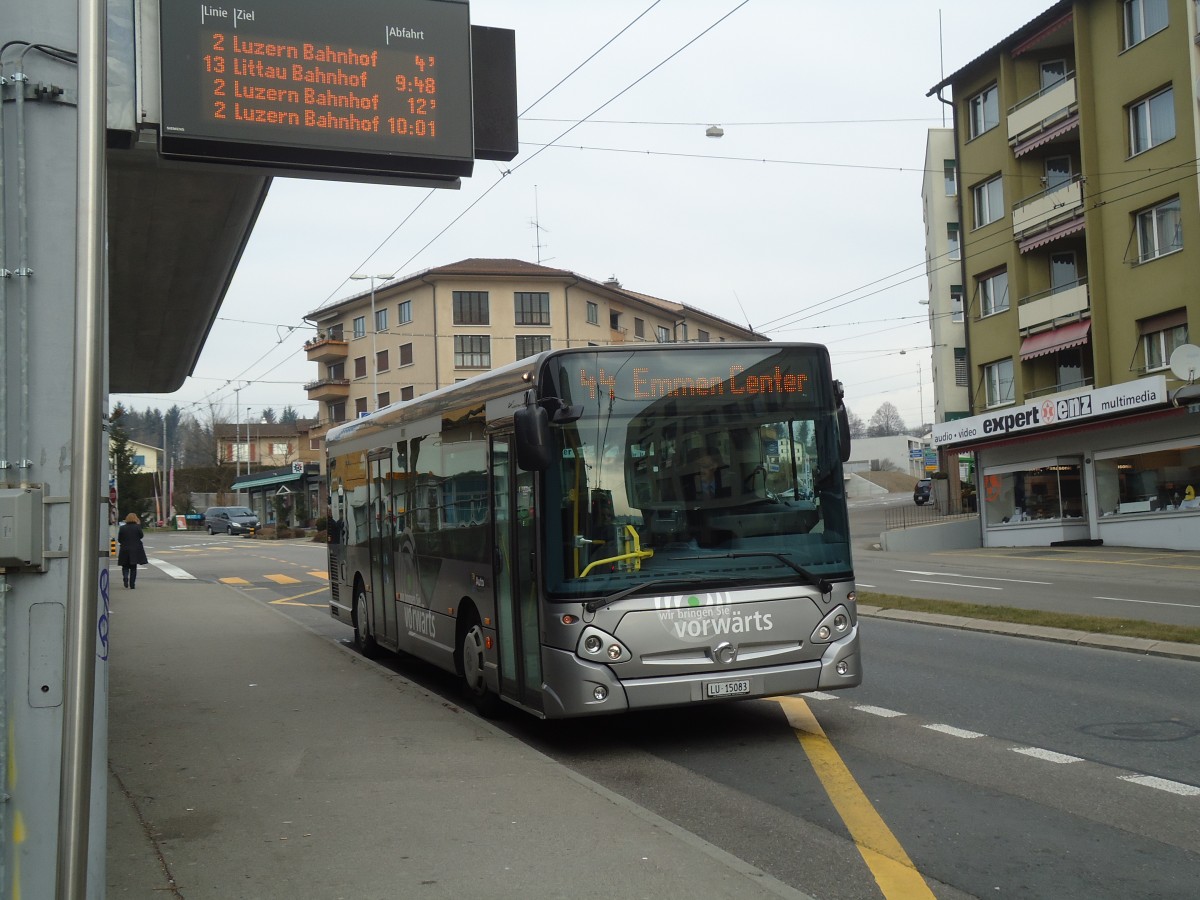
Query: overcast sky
<point>803,221</point>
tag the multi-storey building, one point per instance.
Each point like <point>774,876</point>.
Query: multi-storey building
<point>407,337</point>
<point>943,254</point>
<point>1077,145</point>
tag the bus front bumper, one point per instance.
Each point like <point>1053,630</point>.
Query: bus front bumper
<point>586,688</point>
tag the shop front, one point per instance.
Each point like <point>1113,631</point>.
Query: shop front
<point>287,496</point>
<point>1119,465</point>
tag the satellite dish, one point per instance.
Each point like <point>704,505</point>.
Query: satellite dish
<point>1185,362</point>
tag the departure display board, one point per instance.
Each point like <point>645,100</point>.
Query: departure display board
<point>379,86</point>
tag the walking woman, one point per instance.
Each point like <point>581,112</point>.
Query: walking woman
<point>132,554</point>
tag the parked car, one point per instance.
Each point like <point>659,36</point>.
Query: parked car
<point>921,491</point>
<point>230,520</point>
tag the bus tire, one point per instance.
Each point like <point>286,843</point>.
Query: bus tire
<point>471,666</point>
<point>363,639</point>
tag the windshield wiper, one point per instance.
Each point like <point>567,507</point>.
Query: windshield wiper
<point>601,602</point>
<point>821,584</point>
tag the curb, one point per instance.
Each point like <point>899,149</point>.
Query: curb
<point>1169,649</point>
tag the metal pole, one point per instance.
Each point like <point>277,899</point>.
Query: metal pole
<point>87,433</point>
<point>374,352</point>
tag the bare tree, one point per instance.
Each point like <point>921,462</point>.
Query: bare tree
<point>858,428</point>
<point>886,422</point>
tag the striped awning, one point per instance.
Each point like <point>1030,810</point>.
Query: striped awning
<point>1052,234</point>
<point>1056,339</point>
<point>1047,136</point>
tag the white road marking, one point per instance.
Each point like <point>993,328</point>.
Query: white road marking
<point>978,587</point>
<point>880,711</point>
<point>861,585</point>
<point>1151,602</point>
<point>173,571</point>
<point>1163,784</point>
<point>1047,755</point>
<point>820,695</point>
<point>954,732</point>
<point>976,577</point>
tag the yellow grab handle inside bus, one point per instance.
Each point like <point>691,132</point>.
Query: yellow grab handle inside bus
<point>637,554</point>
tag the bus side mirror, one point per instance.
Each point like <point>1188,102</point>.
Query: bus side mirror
<point>532,426</point>
<point>843,432</point>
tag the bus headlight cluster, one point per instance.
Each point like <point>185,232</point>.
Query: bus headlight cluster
<point>597,644</point>
<point>834,626</point>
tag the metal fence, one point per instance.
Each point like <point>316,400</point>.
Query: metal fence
<point>908,516</point>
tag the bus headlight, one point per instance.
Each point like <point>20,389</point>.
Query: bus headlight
<point>593,643</point>
<point>834,626</point>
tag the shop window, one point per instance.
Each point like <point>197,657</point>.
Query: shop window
<point>1045,491</point>
<point>1155,480</point>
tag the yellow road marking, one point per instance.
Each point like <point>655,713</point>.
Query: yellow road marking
<point>324,575</point>
<point>291,601</point>
<point>282,579</point>
<point>894,872</point>
<point>233,581</point>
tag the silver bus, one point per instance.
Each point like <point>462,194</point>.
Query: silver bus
<point>595,530</point>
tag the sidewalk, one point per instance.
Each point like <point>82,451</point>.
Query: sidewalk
<point>250,758</point>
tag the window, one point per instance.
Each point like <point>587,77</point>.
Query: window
<point>280,448</point>
<point>662,334</point>
<point>998,382</point>
<point>384,399</point>
<point>702,336</point>
<point>381,318</point>
<point>593,313</point>
<point>1151,121</point>
<point>532,308</point>
<point>360,367</point>
<point>406,393</point>
<point>960,366</point>
<point>1046,490</point>
<point>1161,335</point>
<point>360,407</point>
<point>983,111</point>
<point>1159,230</point>
<point>530,344</point>
<point>993,293</point>
<point>381,361</point>
<point>1058,171</point>
<point>957,299</point>
<point>952,250</point>
<point>614,321</point>
<point>360,326</point>
<point>1053,71</point>
<point>1158,478</point>
<point>334,332</point>
<point>950,173</point>
<point>314,443</point>
<point>639,328</point>
<point>406,356</point>
<point>989,201</point>
<point>337,411</point>
<point>336,371</point>
<point>471,308</point>
<point>1142,19</point>
<point>472,351</point>
<point>404,313</point>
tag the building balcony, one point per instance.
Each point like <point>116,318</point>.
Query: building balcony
<point>328,389</point>
<point>1053,307</point>
<point>325,350</point>
<point>1048,209</point>
<point>1043,110</point>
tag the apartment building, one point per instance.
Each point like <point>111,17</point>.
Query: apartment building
<point>1079,208</point>
<point>410,336</point>
<point>943,256</point>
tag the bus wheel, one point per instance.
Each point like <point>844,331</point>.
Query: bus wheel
<point>363,639</point>
<point>470,664</point>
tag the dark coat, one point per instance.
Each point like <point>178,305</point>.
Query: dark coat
<point>132,552</point>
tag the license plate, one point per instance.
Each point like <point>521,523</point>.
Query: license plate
<point>727,688</point>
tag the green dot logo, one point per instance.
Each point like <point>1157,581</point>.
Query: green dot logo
<point>693,601</point>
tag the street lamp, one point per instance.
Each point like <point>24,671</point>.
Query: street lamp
<point>374,353</point>
<point>248,411</point>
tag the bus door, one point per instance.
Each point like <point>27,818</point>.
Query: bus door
<point>382,535</point>
<point>516,585</point>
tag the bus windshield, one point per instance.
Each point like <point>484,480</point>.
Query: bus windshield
<point>714,469</point>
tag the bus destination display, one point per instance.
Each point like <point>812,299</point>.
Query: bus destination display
<point>377,85</point>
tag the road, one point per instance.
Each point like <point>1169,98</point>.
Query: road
<point>999,766</point>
